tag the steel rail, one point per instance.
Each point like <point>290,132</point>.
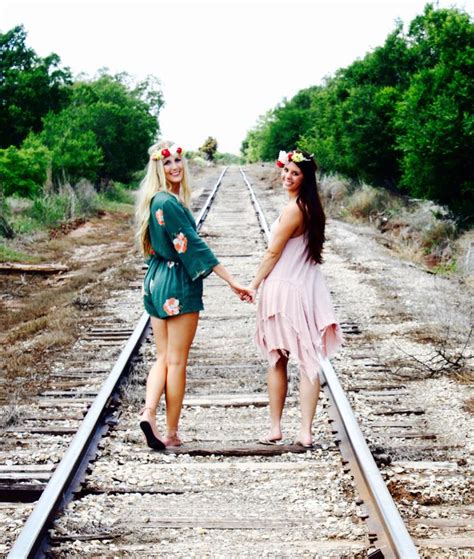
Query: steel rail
<point>398,542</point>
<point>68,475</point>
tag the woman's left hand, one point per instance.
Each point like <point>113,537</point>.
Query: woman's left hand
<point>245,293</point>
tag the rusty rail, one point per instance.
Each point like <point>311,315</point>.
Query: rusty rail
<point>384,521</point>
<point>68,475</point>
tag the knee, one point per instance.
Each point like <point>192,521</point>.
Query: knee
<point>176,359</point>
<point>162,358</point>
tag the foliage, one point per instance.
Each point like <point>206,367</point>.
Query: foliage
<point>103,132</point>
<point>279,129</point>
<point>30,87</point>
<point>8,254</point>
<point>209,148</point>
<point>51,210</point>
<point>23,171</point>
<point>435,119</point>
<point>97,129</point>
<point>116,192</point>
<point>227,158</point>
<point>402,117</point>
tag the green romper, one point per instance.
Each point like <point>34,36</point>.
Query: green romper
<point>180,260</point>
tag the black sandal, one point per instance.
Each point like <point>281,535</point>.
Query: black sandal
<point>151,439</point>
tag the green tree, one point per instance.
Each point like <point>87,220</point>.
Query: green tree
<point>23,171</point>
<point>30,87</point>
<point>105,131</point>
<point>435,117</point>
<point>209,148</point>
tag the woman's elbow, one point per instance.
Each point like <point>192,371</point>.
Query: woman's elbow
<point>272,255</point>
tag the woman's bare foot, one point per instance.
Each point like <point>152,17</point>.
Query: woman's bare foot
<point>304,439</point>
<point>172,440</point>
<point>274,436</point>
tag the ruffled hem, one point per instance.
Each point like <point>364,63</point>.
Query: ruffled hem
<point>276,335</point>
<point>287,322</point>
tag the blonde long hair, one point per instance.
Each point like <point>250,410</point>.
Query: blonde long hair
<point>154,182</point>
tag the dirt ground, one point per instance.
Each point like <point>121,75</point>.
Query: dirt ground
<point>43,315</point>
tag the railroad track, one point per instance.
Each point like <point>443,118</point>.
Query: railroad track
<point>221,493</point>
<point>429,477</point>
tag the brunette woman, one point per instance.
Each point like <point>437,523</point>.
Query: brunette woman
<point>295,314</point>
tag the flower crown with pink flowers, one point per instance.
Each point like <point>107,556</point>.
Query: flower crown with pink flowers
<point>292,156</point>
<point>166,152</point>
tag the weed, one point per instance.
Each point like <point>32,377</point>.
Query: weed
<point>469,405</point>
<point>367,202</point>
<point>445,269</point>
<point>8,254</point>
<point>9,416</point>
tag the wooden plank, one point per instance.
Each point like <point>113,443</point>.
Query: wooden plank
<point>44,430</point>
<point>27,467</point>
<point>410,424</point>
<point>380,387</point>
<point>236,466</point>
<point>200,522</point>
<point>16,476</point>
<point>230,400</point>
<point>376,394</point>
<point>91,393</point>
<point>426,465</point>
<point>64,402</point>
<point>422,447</point>
<point>445,543</point>
<point>444,522</point>
<point>19,268</point>
<point>64,417</point>
<point>20,492</point>
<point>248,450</point>
<point>413,435</point>
<point>415,411</point>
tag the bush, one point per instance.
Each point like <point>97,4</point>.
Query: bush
<point>52,209</point>
<point>23,171</point>
<point>368,202</point>
<point>117,192</point>
<point>438,235</point>
<point>87,198</point>
<point>333,190</point>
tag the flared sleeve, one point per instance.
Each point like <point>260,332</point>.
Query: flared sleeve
<point>197,258</point>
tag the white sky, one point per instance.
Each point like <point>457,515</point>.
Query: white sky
<point>221,63</point>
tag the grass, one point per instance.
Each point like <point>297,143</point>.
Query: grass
<point>418,230</point>
<point>50,211</point>
<point>367,202</point>
<point>445,269</point>
<point>9,416</point>
<point>116,207</point>
<point>8,254</point>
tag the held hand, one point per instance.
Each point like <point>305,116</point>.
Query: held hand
<point>244,293</point>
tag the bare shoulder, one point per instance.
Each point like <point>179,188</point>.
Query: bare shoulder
<point>292,213</point>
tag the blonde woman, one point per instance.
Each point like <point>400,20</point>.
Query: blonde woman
<point>178,261</point>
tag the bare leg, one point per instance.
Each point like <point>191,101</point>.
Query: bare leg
<point>309,395</point>
<point>156,380</point>
<point>181,331</point>
<point>277,383</point>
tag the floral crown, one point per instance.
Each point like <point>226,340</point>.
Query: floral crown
<point>295,156</point>
<point>166,152</point>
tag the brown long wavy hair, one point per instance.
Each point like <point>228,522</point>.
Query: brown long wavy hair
<point>309,202</point>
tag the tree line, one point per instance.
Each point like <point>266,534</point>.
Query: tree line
<point>56,130</point>
<point>401,117</point>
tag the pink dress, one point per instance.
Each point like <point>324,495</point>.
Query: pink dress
<point>295,314</point>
